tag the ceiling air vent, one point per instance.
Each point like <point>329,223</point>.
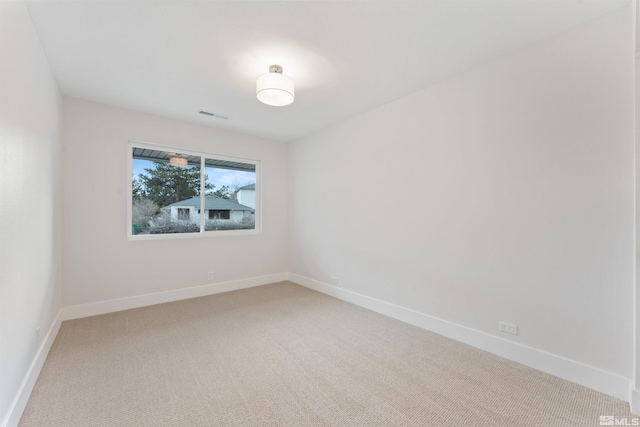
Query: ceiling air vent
<point>217,116</point>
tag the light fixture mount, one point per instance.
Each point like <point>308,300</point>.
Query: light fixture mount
<point>274,88</point>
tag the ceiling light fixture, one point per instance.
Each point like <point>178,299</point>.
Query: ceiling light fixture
<point>274,88</point>
<point>178,161</point>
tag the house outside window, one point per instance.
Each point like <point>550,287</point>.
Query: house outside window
<point>177,192</point>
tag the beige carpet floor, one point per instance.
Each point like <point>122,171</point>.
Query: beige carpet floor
<point>284,355</point>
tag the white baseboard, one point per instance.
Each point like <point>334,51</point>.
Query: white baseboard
<point>111,306</point>
<point>571,370</point>
<point>26,387</point>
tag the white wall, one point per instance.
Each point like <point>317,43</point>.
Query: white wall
<point>524,170</point>
<point>100,263</point>
<point>29,198</point>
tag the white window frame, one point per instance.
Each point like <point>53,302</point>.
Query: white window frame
<point>202,232</point>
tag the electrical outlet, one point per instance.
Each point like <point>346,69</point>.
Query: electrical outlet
<point>210,276</point>
<point>508,328</point>
<point>38,335</point>
<point>334,280</point>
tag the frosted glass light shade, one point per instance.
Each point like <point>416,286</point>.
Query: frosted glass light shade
<point>274,88</point>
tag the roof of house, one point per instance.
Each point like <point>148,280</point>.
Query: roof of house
<point>213,202</point>
<point>248,187</point>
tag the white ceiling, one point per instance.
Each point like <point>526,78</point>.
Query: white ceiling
<point>174,58</point>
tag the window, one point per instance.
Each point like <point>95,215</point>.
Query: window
<point>219,214</point>
<point>175,191</point>
<point>183,214</point>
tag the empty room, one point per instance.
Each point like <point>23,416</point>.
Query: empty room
<point>319,213</point>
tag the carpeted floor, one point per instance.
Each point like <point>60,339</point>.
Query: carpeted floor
<point>284,355</point>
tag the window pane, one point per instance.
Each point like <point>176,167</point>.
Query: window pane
<point>230,189</point>
<point>165,192</point>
